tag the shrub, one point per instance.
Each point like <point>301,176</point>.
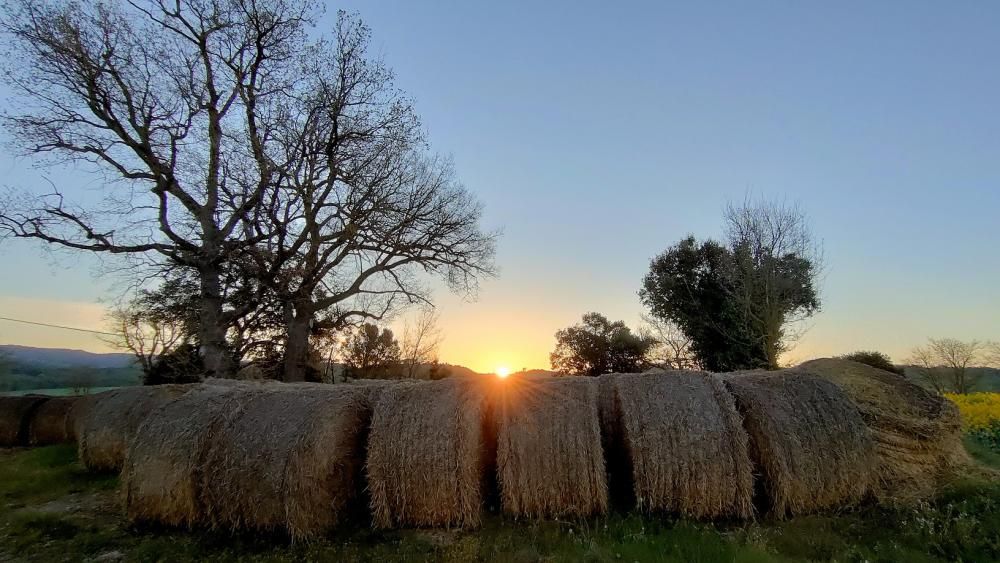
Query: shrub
<point>874,359</point>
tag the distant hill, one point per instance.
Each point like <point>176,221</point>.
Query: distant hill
<point>537,373</point>
<point>52,368</point>
<point>61,357</point>
<point>25,367</point>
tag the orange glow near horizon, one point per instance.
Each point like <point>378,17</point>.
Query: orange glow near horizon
<point>502,371</point>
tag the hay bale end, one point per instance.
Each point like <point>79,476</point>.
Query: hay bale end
<point>550,460</point>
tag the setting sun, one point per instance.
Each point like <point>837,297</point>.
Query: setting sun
<point>503,371</point>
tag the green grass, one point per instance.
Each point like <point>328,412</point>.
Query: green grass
<point>54,511</point>
<point>56,391</point>
<point>32,477</point>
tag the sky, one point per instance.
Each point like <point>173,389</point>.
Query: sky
<point>597,137</point>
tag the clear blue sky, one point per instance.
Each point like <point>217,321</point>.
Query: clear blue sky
<point>597,136</point>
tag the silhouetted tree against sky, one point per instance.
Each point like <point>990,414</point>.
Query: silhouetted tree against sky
<point>688,285</point>
<point>421,340</point>
<point>224,131</point>
<point>738,301</point>
<point>175,105</point>
<point>366,210</point>
<point>776,266</point>
<point>598,346</point>
<point>672,349</point>
<point>155,323</point>
<point>371,352</point>
<point>944,363</point>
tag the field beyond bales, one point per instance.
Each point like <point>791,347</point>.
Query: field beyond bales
<point>980,416</point>
<point>53,510</point>
<point>980,411</point>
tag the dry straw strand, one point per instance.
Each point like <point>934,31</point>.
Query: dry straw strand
<point>550,461</point>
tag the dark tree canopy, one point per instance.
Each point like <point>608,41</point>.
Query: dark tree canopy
<point>181,365</point>
<point>599,346</point>
<point>371,353</point>
<point>689,284</point>
<point>736,301</point>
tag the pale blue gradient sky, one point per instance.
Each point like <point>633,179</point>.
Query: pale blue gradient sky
<point>597,136</point>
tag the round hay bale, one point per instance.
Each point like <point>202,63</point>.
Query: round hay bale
<point>289,459</point>
<point>165,468</point>
<point>52,422</point>
<point>685,440</point>
<point>429,453</point>
<point>373,388</point>
<point>550,462</point>
<point>918,434</point>
<point>110,419</point>
<point>15,418</point>
<point>807,439</point>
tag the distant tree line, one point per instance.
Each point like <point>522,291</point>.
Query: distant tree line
<point>269,190</point>
<point>374,353</point>
<point>947,364</point>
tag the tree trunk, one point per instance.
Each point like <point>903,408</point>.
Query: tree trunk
<point>212,330</point>
<point>297,344</point>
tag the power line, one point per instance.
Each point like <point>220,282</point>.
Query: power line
<point>56,326</point>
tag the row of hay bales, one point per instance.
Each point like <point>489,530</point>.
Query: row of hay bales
<point>302,458</point>
<point>37,420</point>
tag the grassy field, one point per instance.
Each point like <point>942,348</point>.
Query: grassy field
<point>52,510</point>
<point>56,392</point>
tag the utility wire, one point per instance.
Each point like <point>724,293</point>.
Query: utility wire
<point>56,326</point>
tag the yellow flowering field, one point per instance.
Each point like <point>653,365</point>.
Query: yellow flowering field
<point>979,410</point>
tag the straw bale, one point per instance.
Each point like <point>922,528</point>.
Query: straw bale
<point>550,460</point>
<point>686,444</point>
<point>106,425</point>
<point>807,440</point>
<point>15,418</point>
<point>52,422</point>
<point>429,453</point>
<point>164,467</point>
<point>918,434</point>
<point>290,458</point>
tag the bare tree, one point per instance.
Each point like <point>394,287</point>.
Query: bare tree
<point>777,263</point>
<point>147,336</point>
<point>673,348</point>
<point>993,354</point>
<point>421,340</point>
<point>944,363</point>
<point>366,211</point>
<point>176,105</point>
